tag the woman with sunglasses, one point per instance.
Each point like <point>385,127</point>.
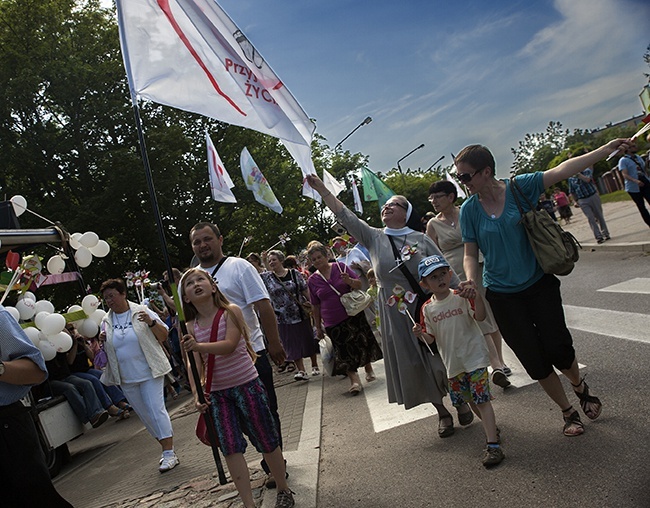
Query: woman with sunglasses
<point>444,230</point>
<point>526,302</point>
<point>414,375</point>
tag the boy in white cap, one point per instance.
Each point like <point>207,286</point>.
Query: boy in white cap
<point>449,318</point>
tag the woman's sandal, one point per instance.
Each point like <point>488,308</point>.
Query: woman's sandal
<point>572,425</point>
<point>291,366</point>
<point>591,412</point>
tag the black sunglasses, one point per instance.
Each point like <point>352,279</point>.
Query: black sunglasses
<point>465,177</point>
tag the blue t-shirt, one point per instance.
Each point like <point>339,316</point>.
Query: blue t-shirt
<point>510,264</point>
<point>632,163</point>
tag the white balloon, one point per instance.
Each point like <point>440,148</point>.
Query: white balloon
<point>75,308</point>
<point>53,324</point>
<point>39,319</point>
<point>47,349</point>
<point>89,304</point>
<point>20,204</point>
<point>44,306</point>
<point>89,239</point>
<point>61,341</point>
<point>88,328</point>
<point>55,264</point>
<point>83,257</point>
<point>33,334</point>
<point>26,308</point>
<point>100,250</point>
<point>74,240</point>
<point>98,315</point>
<point>27,294</point>
<point>14,312</point>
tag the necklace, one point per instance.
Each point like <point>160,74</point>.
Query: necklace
<point>122,326</point>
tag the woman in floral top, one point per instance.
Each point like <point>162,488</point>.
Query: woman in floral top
<point>286,288</point>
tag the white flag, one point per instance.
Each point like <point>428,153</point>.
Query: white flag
<point>459,190</point>
<point>220,182</point>
<point>256,183</point>
<point>332,184</point>
<point>190,55</point>
<point>358,205</point>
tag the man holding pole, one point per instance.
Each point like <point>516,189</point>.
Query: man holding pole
<point>241,284</point>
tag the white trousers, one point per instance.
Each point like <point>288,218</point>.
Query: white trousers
<point>147,398</point>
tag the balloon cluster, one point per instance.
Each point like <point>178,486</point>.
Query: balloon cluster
<point>86,245</point>
<point>47,334</point>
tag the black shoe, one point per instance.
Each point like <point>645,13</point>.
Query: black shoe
<point>600,240</point>
<point>500,379</point>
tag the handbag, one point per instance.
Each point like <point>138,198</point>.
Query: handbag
<point>354,301</point>
<point>201,429</point>
<point>327,354</point>
<point>556,250</point>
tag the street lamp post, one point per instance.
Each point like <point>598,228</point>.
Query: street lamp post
<point>400,160</point>
<point>365,122</point>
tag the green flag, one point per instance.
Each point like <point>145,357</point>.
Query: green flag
<point>374,189</point>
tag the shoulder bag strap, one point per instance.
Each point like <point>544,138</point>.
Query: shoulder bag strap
<point>515,186</point>
<point>216,268</point>
<point>293,297</point>
<point>213,338</point>
<point>409,276</point>
<point>328,283</point>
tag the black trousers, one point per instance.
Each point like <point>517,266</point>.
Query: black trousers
<point>22,465</point>
<point>638,198</point>
<point>265,371</point>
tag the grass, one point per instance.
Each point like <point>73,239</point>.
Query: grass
<point>612,197</point>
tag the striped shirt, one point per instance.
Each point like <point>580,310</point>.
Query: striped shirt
<point>230,370</point>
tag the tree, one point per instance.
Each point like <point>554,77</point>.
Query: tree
<point>536,151</point>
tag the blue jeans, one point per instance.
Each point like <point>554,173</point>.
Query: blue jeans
<point>81,396</point>
<point>107,395</point>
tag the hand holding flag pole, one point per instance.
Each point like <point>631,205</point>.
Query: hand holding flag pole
<point>642,130</point>
<point>244,242</point>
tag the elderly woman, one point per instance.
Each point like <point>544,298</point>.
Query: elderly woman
<point>414,376</point>
<point>444,230</point>
<point>352,338</point>
<point>287,289</point>
<point>136,362</point>
<point>526,302</point>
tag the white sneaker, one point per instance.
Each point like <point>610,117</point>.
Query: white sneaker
<point>168,463</point>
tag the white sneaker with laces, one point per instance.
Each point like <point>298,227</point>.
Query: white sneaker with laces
<point>168,462</point>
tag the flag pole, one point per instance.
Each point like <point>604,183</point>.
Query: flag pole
<point>212,432</point>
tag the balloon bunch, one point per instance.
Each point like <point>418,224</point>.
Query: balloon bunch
<point>138,280</point>
<point>46,329</point>
<point>87,245</point>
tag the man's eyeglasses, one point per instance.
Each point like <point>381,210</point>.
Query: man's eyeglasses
<point>465,177</point>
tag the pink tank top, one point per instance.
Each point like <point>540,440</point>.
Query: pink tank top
<point>230,370</point>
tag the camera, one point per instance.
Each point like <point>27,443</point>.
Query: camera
<point>160,284</point>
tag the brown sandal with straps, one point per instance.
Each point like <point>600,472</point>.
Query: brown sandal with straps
<point>572,421</point>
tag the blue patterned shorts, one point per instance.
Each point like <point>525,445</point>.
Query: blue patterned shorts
<point>470,387</point>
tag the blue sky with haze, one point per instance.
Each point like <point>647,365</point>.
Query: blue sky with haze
<point>448,74</point>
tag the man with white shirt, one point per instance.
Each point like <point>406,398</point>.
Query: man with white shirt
<point>240,282</point>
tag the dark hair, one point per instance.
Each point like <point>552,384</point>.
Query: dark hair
<point>255,257</point>
<point>443,186</point>
<point>290,262</point>
<point>202,225</point>
<point>116,284</point>
<point>478,157</point>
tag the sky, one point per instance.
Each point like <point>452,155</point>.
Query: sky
<point>449,74</point>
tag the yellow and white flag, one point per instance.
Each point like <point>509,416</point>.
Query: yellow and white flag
<point>256,183</point>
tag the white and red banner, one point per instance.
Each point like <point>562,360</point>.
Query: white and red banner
<point>459,190</point>
<point>256,183</point>
<point>190,55</point>
<point>220,181</point>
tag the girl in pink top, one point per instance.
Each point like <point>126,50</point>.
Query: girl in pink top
<point>238,402</point>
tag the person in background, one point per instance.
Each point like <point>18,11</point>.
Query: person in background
<point>288,289</point>
<point>25,477</point>
<point>526,302</point>
<point>637,182</point>
<point>137,363</point>
<point>563,205</point>
<point>544,203</point>
<point>582,188</point>
<point>255,260</point>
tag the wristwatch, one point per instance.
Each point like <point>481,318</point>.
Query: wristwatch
<point>2,368</point>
